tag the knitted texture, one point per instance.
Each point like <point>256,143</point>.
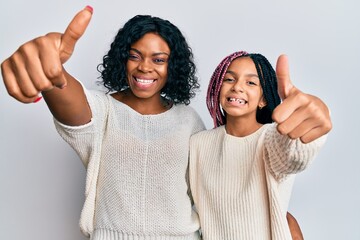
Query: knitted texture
<point>241,186</point>
<point>136,185</point>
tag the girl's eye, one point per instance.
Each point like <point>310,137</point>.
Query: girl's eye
<point>228,80</point>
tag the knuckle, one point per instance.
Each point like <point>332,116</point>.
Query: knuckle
<point>53,71</point>
<point>281,129</point>
<point>24,49</point>
<point>327,126</point>
<point>303,98</point>
<point>314,109</point>
<point>15,58</point>
<point>19,93</point>
<point>43,85</point>
<point>275,115</point>
<point>29,92</point>
<point>4,66</point>
<point>305,139</point>
<point>40,41</point>
<point>13,92</point>
<point>292,136</point>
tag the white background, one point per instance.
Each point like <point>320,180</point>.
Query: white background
<point>41,178</point>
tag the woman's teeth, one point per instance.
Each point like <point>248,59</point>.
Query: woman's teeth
<point>144,81</point>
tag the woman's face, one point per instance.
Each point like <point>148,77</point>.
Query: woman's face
<point>147,66</point>
<point>241,92</point>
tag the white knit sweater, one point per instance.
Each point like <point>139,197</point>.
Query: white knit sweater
<point>241,185</point>
<point>137,182</point>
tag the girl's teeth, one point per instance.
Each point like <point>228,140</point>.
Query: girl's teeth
<point>241,101</point>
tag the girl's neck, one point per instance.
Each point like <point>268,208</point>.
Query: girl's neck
<point>145,106</point>
<point>241,127</point>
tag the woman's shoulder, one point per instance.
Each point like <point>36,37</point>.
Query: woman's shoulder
<point>188,116</point>
<point>182,108</point>
<point>95,93</point>
<point>186,111</point>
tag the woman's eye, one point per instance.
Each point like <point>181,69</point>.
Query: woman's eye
<point>133,56</point>
<point>159,60</point>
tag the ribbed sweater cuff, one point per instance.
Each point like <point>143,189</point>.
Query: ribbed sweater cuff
<point>107,234</point>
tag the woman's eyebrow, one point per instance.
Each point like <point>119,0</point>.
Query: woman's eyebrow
<point>154,54</point>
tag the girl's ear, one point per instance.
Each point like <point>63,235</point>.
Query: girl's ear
<point>262,103</point>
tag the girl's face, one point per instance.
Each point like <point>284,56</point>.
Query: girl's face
<point>241,92</point>
<point>147,66</point>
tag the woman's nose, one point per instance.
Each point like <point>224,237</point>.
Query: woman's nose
<point>145,66</point>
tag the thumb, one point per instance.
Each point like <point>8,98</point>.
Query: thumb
<point>73,32</point>
<point>283,76</point>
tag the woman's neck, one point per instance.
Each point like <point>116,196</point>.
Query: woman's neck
<point>145,106</point>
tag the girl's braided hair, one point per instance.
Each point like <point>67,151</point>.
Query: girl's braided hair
<point>268,83</point>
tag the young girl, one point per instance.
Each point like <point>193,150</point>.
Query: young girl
<point>241,172</point>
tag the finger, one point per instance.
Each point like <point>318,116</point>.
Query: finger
<point>283,77</point>
<point>309,121</point>
<point>11,83</point>
<point>73,32</point>
<point>52,70</point>
<point>315,133</point>
<point>28,68</point>
<point>303,128</point>
<point>297,124</point>
<point>294,101</point>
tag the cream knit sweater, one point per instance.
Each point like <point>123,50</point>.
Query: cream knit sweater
<point>137,183</point>
<point>241,185</point>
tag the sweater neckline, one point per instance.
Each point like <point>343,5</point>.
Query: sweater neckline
<point>252,136</point>
<point>128,108</point>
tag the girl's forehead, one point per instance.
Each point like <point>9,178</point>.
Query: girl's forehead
<point>242,64</point>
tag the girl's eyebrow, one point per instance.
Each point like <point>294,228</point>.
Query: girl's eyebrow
<point>154,54</point>
<point>247,75</point>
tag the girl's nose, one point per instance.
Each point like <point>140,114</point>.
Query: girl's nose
<point>238,87</point>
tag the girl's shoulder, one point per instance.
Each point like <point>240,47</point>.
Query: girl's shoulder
<point>213,133</point>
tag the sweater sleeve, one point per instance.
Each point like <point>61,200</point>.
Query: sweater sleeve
<point>84,139</point>
<point>285,156</point>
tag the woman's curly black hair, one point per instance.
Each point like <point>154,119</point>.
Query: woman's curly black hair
<point>181,82</point>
